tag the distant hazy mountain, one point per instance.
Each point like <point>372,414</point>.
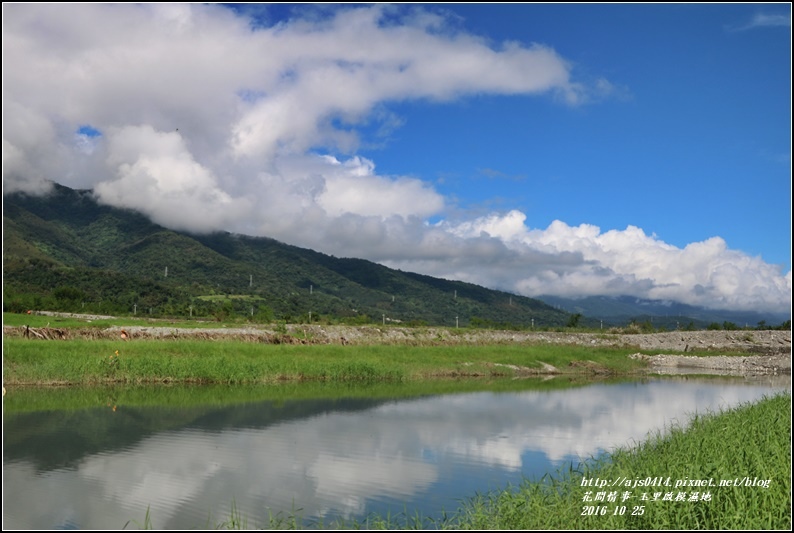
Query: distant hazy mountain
<point>623,309</point>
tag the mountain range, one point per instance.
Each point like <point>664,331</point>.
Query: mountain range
<point>65,251</point>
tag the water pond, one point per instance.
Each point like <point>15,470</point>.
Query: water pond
<point>195,457</point>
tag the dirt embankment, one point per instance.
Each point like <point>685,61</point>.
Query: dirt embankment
<point>771,349</point>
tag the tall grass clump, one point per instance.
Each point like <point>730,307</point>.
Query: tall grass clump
<point>749,444</point>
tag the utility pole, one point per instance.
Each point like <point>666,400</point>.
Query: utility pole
<point>251,280</point>
<point>166,271</point>
<point>456,322</point>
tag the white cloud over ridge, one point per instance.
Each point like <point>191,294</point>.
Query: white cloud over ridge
<point>209,124</point>
<point>630,262</point>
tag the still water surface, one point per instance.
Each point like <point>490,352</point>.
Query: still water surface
<point>100,468</point>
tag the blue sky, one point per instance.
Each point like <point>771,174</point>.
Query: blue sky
<point>570,149</point>
<point>701,130</point>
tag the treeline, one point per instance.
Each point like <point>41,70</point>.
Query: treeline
<point>762,325</point>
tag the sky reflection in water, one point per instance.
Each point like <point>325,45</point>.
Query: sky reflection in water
<point>383,455</point>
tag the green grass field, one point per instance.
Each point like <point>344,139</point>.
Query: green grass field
<point>89,362</point>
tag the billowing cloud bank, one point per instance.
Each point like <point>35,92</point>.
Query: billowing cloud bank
<point>203,121</point>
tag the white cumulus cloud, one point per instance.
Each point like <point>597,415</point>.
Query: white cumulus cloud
<point>618,262</point>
